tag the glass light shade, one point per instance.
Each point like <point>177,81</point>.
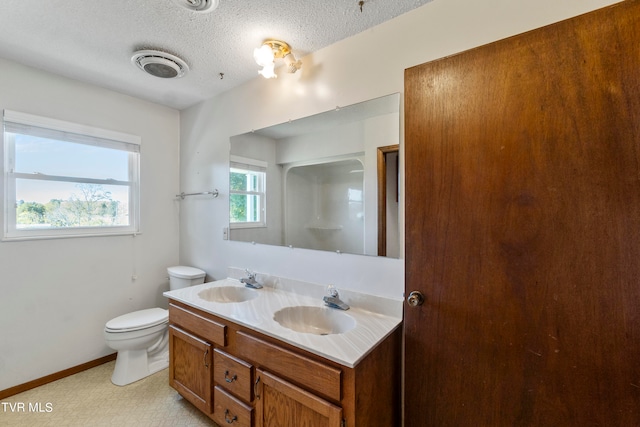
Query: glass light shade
<point>263,55</point>
<point>268,71</point>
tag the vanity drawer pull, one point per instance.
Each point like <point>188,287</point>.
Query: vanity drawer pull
<point>229,410</point>
<point>233,374</point>
<point>229,379</point>
<point>227,419</point>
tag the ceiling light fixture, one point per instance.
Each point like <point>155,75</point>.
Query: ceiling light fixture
<point>202,6</point>
<point>160,64</point>
<point>271,50</point>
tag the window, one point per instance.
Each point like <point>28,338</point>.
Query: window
<point>247,192</point>
<point>62,179</point>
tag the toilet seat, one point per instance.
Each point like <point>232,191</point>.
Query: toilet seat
<point>137,320</point>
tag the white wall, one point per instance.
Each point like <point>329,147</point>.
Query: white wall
<point>56,295</point>
<point>362,67</point>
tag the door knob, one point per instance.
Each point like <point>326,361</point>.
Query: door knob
<point>415,299</point>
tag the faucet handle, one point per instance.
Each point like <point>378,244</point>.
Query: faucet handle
<point>332,291</point>
<point>250,274</point>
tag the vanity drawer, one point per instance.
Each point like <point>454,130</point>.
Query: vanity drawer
<point>211,331</point>
<point>229,410</point>
<point>235,375</point>
<point>320,378</point>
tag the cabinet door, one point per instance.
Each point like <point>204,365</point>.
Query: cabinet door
<point>190,368</point>
<point>282,404</point>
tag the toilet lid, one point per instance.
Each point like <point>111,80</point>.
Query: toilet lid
<point>184,272</point>
<point>138,320</point>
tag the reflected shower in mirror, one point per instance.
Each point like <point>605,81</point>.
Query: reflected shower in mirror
<point>325,182</point>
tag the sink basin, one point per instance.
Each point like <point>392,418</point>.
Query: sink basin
<point>228,294</point>
<point>314,320</point>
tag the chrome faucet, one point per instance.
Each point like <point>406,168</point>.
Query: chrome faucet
<point>250,280</point>
<point>332,299</point>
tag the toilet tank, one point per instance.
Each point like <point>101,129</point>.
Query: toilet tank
<point>181,276</point>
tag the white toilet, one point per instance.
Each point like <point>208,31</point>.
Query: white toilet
<point>142,337</point>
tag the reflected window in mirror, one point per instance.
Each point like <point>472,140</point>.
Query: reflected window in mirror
<point>247,195</point>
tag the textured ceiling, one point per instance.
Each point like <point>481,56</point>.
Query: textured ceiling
<point>93,41</point>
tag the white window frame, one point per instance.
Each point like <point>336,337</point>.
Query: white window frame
<point>76,133</point>
<point>253,165</point>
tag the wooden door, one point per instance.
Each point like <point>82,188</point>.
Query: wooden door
<point>190,371</point>
<point>387,159</point>
<point>523,229</point>
<point>282,404</point>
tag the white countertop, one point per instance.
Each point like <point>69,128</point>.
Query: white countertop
<point>347,348</point>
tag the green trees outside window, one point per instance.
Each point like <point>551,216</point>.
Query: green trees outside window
<point>92,206</point>
<point>247,197</point>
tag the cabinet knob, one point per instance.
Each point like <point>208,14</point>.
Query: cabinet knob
<point>415,299</point>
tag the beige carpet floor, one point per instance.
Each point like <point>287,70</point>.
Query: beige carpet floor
<point>90,399</point>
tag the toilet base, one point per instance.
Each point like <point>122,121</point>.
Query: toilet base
<point>134,365</point>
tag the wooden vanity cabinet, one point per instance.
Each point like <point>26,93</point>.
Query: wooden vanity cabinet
<point>280,403</point>
<point>244,378</point>
<point>190,368</point>
<point>230,410</point>
<point>235,375</point>
<point>233,390</point>
<point>191,343</point>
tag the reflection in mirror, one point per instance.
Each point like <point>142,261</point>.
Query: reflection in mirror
<point>324,206</point>
<point>324,182</point>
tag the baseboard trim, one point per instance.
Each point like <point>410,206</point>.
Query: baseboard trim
<point>55,376</point>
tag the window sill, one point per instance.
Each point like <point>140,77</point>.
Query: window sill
<point>22,238</point>
<point>239,226</point>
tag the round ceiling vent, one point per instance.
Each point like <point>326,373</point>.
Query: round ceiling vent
<point>199,5</point>
<point>160,64</point>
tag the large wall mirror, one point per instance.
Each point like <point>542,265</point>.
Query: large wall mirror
<point>325,182</point>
